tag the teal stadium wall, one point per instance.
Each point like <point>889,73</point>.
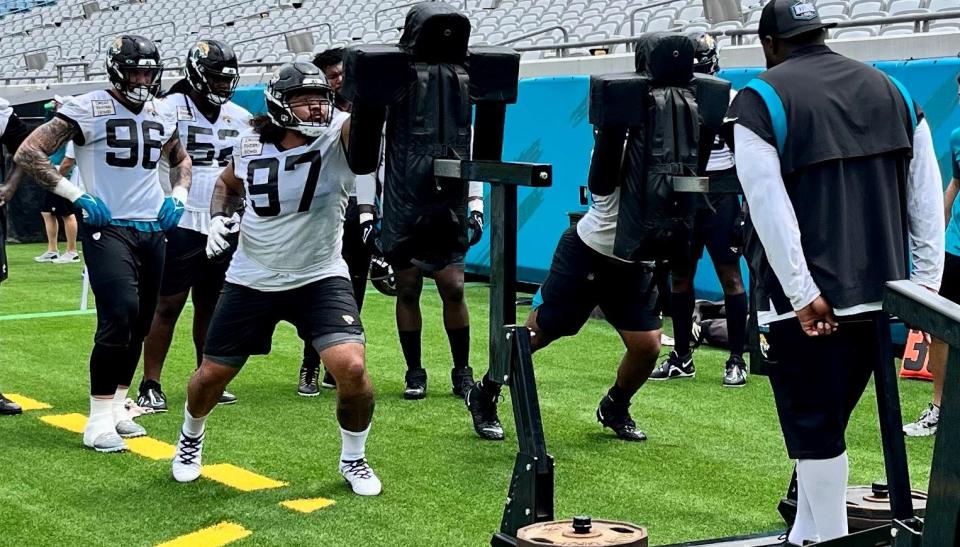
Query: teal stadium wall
<point>549,125</point>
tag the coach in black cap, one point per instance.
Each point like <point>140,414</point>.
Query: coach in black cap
<point>838,169</point>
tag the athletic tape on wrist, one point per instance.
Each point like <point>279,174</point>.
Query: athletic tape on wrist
<point>67,189</point>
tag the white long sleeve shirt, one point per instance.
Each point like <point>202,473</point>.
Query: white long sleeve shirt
<point>773,217</point>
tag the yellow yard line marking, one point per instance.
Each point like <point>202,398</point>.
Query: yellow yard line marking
<point>308,505</point>
<point>239,478</point>
<point>151,448</point>
<point>26,403</point>
<point>71,422</point>
<point>224,473</point>
<point>214,536</point>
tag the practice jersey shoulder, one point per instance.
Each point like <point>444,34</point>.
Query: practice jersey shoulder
<point>5,112</point>
<point>210,145</point>
<point>292,227</point>
<point>118,151</point>
<point>953,228</point>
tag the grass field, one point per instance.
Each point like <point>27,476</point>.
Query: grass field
<point>714,464</point>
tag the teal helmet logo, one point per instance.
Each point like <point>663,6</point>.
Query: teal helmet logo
<point>803,11</point>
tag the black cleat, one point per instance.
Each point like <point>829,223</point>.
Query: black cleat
<point>483,410</point>
<point>8,407</point>
<point>150,395</point>
<point>675,367</point>
<point>736,372</point>
<point>617,417</point>
<point>415,384</point>
<point>308,381</point>
<point>328,382</point>
<point>462,380</point>
<point>227,398</point>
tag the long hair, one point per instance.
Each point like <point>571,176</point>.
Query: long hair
<point>270,133</point>
<point>181,86</point>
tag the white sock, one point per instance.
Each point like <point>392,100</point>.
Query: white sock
<point>804,529</point>
<point>119,398</point>
<point>193,427</point>
<point>825,484</point>
<point>353,445</point>
<point>101,416</point>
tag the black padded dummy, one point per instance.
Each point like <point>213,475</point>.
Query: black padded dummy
<point>424,90</point>
<point>651,126</point>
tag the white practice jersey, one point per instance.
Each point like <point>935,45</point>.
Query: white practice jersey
<point>71,152</point>
<point>292,227</point>
<point>210,145</point>
<point>5,112</point>
<point>118,151</point>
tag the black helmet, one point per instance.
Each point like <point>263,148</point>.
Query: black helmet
<point>212,71</point>
<point>292,79</point>
<point>706,57</point>
<point>129,53</point>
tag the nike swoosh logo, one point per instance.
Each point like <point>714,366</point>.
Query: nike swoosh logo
<point>730,120</point>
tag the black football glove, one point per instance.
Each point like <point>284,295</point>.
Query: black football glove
<point>369,230</point>
<point>475,227</point>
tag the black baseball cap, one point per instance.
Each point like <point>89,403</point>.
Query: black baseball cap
<point>789,18</point>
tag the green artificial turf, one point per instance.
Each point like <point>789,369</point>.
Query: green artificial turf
<point>714,465</point>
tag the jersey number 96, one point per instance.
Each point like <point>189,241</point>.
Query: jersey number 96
<point>129,140</point>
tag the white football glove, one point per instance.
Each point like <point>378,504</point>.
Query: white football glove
<point>220,229</point>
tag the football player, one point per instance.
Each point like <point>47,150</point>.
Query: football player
<point>209,125</point>
<point>120,136</point>
<point>291,170</point>
<point>358,227</point>
<point>715,226</point>
<point>12,133</point>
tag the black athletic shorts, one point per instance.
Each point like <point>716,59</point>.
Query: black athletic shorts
<point>324,313</point>
<point>125,267</point>
<point>187,266</point>
<point>950,285</point>
<point>817,381</point>
<point>581,279</point>
<point>714,226</point>
<point>57,205</point>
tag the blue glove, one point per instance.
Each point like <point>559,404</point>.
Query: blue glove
<point>95,211</point>
<point>170,213</point>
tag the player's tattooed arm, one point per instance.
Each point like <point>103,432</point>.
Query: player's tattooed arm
<point>34,154</point>
<point>228,193</point>
<point>181,166</point>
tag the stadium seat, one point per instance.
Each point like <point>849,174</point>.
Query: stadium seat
<point>833,8</point>
<point>864,32</point>
<point>943,5</point>
<point>898,6</point>
<point>658,23</point>
<point>896,29</point>
<point>691,13</point>
<point>864,6</point>
<point>869,15</point>
<point>944,26</point>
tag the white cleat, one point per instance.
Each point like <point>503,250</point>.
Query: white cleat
<point>361,477</point>
<point>186,460</point>
<point>129,429</point>
<point>926,425</point>
<point>106,442</point>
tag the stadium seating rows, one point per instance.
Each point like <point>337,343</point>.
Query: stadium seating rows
<point>256,27</point>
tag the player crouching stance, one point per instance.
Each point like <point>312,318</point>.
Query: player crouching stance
<point>292,172</point>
